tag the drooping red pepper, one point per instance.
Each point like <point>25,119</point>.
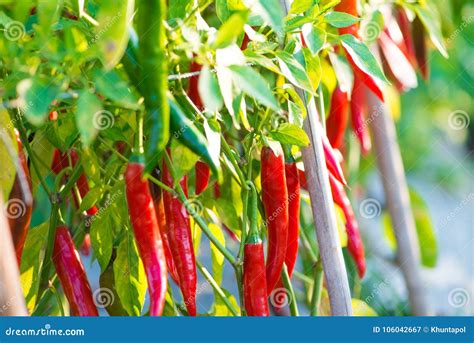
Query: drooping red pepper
<point>358,109</point>
<point>421,49</point>
<point>147,234</point>
<point>350,7</point>
<point>405,27</point>
<point>332,163</point>
<point>275,202</point>
<point>203,174</point>
<point>254,281</point>
<point>20,207</point>
<point>354,241</point>
<point>293,188</point>
<point>72,275</point>
<point>178,230</point>
<point>338,118</point>
<point>161,217</point>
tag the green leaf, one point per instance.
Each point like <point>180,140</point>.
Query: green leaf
<point>340,19</point>
<point>313,68</point>
<point>30,262</point>
<point>36,95</point>
<point>220,309</point>
<point>130,279</point>
<point>177,8</point>
<point>344,73</point>
<point>7,176</point>
<point>287,133</point>
<point>48,14</point>
<point>429,16</point>
<point>88,108</point>
<point>102,237</point>
<point>216,256</point>
<point>183,159</point>
<point>209,90</point>
<point>111,85</point>
<point>314,37</point>
<point>294,71</point>
<point>230,30</point>
<point>91,198</point>
<point>300,6</point>
<point>362,56</point>
<point>43,150</point>
<point>254,85</point>
<point>270,11</point>
<point>425,230</point>
<point>212,130</point>
<point>112,32</point>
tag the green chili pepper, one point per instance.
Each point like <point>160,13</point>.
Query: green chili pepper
<point>153,76</point>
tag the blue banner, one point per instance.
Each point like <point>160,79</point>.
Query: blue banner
<point>207,329</point>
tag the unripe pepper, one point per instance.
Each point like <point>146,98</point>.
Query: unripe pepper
<point>336,122</point>
<point>147,234</point>
<point>358,109</point>
<point>354,241</point>
<point>20,206</point>
<point>254,282</point>
<point>178,230</point>
<point>72,275</point>
<point>275,202</point>
<point>157,194</point>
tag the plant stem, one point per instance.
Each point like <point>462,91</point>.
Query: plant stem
<point>321,110</point>
<point>230,155</point>
<point>216,288</point>
<point>317,288</point>
<point>291,294</point>
<point>58,298</point>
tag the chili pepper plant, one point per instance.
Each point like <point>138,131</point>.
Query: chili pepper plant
<point>155,134</point>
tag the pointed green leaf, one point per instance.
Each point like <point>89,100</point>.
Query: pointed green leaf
<point>429,16</point>
<point>209,90</point>
<point>254,85</point>
<point>270,11</point>
<point>230,30</point>
<point>290,134</point>
<point>88,108</point>
<point>294,71</point>
<point>340,19</point>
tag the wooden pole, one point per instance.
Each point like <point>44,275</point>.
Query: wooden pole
<point>392,173</point>
<point>323,209</point>
<point>12,302</point>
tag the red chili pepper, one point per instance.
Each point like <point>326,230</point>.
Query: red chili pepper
<point>275,202</point>
<point>20,208</point>
<point>86,245</point>
<point>358,108</point>
<point>406,30</point>
<point>72,275</point>
<point>350,7</point>
<point>245,42</point>
<point>178,231</point>
<point>61,161</point>
<point>293,188</point>
<point>161,217</point>
<point>147,235</point>
<point>354,241</point>
<point>203,173</point>
<point>255,286</point>
<point>421,50</point>
<point>332,163</point>
<point>193,87</point>
<point>336,122</point>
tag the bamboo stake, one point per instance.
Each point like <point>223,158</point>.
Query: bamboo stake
<point>391,169</point>
<point>323,209</point>
<point>12,302</point>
